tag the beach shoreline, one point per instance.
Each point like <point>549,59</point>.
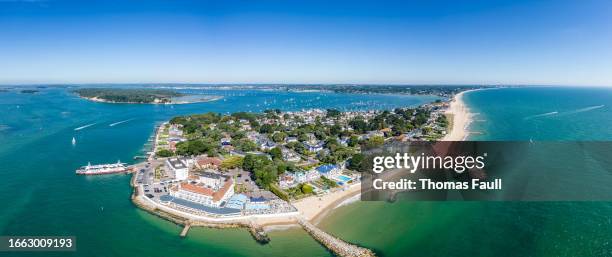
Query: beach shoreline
<point>461,118</point>
<point>315,208</point>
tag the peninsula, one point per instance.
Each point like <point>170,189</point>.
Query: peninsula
<point>273,168</point>
<point>141,96</point>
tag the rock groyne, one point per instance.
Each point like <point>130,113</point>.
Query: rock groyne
<point>334,244</point>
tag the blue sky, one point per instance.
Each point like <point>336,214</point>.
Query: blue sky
<point>405,42</point>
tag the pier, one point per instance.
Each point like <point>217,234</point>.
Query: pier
<point>334,244</point>
<point>185,229</point>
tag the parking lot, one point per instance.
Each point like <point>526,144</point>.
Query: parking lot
<point>154,178</point>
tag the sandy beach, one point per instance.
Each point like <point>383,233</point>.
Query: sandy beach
<point>314,208</point>
<point>461,119</point>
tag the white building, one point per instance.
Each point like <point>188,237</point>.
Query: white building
<point>209,189</point>
<point>314,146</point>
<point>292,179</point>
<point>179,167</point>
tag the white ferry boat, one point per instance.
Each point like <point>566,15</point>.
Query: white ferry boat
<point>102,169</point>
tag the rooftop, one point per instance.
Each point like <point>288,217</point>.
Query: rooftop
<point>168,198</point>
<point>209,161</point>
<point>326,168</point>
<point>176,163</point>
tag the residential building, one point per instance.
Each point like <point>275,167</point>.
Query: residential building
<point>314,146</point>
<point>208,163</point>
<point>267,145</point>
<point>289,179</point>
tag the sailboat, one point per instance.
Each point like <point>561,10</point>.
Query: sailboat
<point>73,141</point>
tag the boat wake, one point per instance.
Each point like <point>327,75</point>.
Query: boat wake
<point>541,115</point>
<point>586,109</point>
<point>117,123</point>
<point>86,126</point>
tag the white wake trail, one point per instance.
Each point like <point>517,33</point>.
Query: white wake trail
<point>117,123</point>
<point>541,115</point>
<point>86,126</point>
<point>586,109</point>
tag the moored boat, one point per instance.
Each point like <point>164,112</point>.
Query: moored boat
<point>102,169</point>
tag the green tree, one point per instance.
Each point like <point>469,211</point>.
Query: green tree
<point>359,125</point>
<point>335,130</point>
<point>276,153</point>
<point>232,162</point>
<point>254,162</point>
<point>303,137</point>
<point>279,192</point>
<point>306,189</point>
<point>375,141</point>
<point>443,121</point>
<point>279,137</point>
<point>332,113</point>
<point>192,147</point>
<point>245,145</point>
<point>356,161</point>
<point>353,141</point>
<point>266,129</point>
<point>164,153</point>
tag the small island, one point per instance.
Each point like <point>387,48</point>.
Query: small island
<point>141,96</point>
<point>29,91</point>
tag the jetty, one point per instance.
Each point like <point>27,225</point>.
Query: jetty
<point>185,229</point>
<point>334,244</point>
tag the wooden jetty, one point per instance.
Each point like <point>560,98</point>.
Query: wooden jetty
<point>185,230</point>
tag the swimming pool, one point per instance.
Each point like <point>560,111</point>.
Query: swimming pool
<point>344,178</point>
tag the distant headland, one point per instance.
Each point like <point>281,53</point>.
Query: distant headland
<point>141,96</point>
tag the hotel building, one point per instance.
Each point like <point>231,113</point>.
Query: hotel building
<point>210,189</point>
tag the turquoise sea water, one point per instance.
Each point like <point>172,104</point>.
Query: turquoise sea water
<point>41,195</point>
<point>542,114</point>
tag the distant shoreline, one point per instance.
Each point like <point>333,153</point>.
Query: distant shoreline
<point>100,100</point>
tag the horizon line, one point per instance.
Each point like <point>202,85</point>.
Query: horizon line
<point>300,84</point>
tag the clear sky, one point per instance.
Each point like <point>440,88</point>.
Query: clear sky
<point>404,42</point>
